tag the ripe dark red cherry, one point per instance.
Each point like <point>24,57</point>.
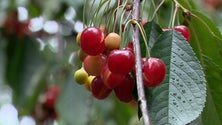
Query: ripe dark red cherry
<point>184,31</point>
<point>121,61</point>
<point>111,80</point>
<point>98,89</point>
<point>51,96</point>
<point>124,91</point>
<point>92,41</point>
<point>154,71</point>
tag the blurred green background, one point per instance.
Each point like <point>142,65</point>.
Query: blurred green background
<point>38,49</point>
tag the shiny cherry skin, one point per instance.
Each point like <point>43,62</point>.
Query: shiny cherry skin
<point>94,64</point>
<point>111,80</point>
<point>184,31</point>
<point>121,61</point>
<point>124,91</point>
<point>92,41</point>
<point>154,71</point>
<point>98,88</point>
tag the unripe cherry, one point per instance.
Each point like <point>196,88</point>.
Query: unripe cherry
<point>88,82</point>
<point>82,55</point>
<point>80,76</point>
<point>78,38</point>
<point>112,41</point>
<point>94,64</point>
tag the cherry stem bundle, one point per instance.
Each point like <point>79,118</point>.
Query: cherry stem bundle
<point>141,93</point>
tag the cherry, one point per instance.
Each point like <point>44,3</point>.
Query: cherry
<point>111,80</point>
<point>51,96</point>
<point>154,72</point>
<point>98,89</point>
<point>92,41</point>
<point>13,25</point>
<point>184,31</point>
<point>80,76</point>
<point>82,55</point>
<point>130,45</point>
<point>94,64</point>
<point>112,41</point>
<point>124,91</point>
<point>78,38</point>
<point>88,82</point>
<point>121,61</point>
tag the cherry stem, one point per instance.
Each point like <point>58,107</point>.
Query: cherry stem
<point>144,37</point>
<point>84,10</point>
<point>157,8</point>
<point>139,80</point>
<point>95,15</point>
<point>174,15</point>
<point>116,15</point>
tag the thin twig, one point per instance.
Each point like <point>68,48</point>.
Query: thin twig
<point>139,80</point>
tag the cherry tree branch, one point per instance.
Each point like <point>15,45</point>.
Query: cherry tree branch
<point>139,79</point>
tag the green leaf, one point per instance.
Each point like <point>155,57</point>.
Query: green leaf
<point>181,97</point>
<point>152,31</point>
<point>22,64</point>
<point>187,4</point>
<point>206,42</point>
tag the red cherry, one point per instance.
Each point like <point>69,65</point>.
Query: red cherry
<point>130,45</point>
<point>13,25</point>
<point>121,61</point>
<point>51,96</point>
<point>184,31</point>
<point>98,89</point>
<point>94,64</point>
<point>124,91</point>
<point>92,41</point>
<point>154,72</point>
<point>111,80</point>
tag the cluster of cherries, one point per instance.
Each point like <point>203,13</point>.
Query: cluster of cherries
<point>45,107</point>
<point>108,67</point>
<point>13,25</point>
